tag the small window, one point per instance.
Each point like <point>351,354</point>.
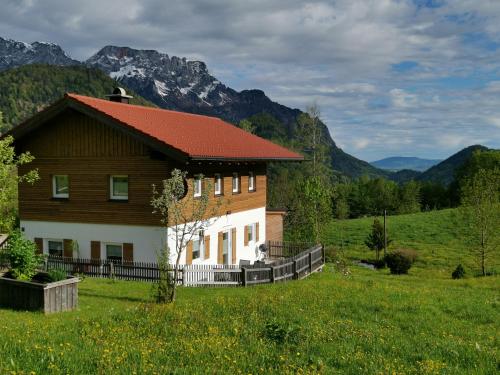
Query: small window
<point>251,181</point>
<point>218,184</point>
<point>198,246</point>
<point>251,232</point>
<point>114,252</point>
<point>60,186</point>
<point>236,183</point>
<point>55,248</point>
<point>197,186</point>
<point>119,187</point>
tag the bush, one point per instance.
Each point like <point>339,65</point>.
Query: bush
<point>400,261</point>
<point>22,257</point>
<point>330,254</point>
<point>281,332</point>
<point>57,275</point>
<point>459,272</point>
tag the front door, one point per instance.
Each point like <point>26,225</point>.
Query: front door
<point>226,247</point>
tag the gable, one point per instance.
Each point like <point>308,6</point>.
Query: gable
<point>74,134</point>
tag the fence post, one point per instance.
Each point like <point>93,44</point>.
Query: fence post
<point>294,270</point>
<point>310,262</point>
<point>272,274</point>
<point>111,270</point>
<point>323,253</point>
<point>183,276</point>
<point>243,276</point>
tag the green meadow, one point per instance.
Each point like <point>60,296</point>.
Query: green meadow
<point>369,322</point>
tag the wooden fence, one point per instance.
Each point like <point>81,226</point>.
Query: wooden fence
<point>299,263</point>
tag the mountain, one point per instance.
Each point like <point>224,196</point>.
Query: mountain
<point>183,85</point>
<point>398,163</point>
<point>27,89</point>
<point>444,172</point>
<point>14,53</point>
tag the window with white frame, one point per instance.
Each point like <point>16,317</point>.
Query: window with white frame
<point>236,183</point>
<point>218,184</point>
<point>198,246</point>
<point>118,187</point>
<point>197,186</point>
<point>114,252</point>
<point>55,248</point>
<point>251,181</point>
<point>60,186</point>
<point>251,232</point>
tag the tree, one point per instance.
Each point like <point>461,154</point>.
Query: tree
<point>409,198</point>
<point>247,126</point>
<point>184,216</point>
<point>9,180</point>
<point>375,240</point>
<point>480,196</point>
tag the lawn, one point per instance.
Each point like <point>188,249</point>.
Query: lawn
<point>367,323</point>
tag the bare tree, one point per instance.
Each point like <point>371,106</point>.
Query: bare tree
<point>310,127</point>
<point>481,213</point>
<point>184,216</point>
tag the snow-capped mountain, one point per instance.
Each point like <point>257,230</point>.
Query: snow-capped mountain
<point>170,82</point>
<point>14,53</point>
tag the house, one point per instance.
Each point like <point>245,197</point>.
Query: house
<point>98,160</point>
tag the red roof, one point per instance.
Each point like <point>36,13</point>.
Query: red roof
<point>199,137</point>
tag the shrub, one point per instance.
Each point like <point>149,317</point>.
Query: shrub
<point>459,272</point>
<point>57,275</point>
<point>281,332</point>
<point>400,261</point>
<point>330,254</point>
<point>22,257</point>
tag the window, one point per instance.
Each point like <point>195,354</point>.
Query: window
<point>198,246</point>
<point>60,186</point>
<point>119,187</point>
<point>251,181</point>
<point>251,232</point>
<point>197,186</point>
<point>55,248</point>
<point>236,183</point>
<point>218,184</point>
<point>114,252</point>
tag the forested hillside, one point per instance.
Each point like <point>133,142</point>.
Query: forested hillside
<point>28,89</point>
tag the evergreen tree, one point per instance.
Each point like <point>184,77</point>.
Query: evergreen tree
<point>375,240</point>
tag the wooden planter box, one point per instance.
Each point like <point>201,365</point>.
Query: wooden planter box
<point>50,297</point>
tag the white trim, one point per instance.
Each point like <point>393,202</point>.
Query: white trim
<point>111,188</point>
<point>236,187</point>
<point>197,186</point>
<point>55,194</point>
<point>251,181</point>
<point>218,189</point>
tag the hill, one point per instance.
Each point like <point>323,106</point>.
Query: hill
<point>444,172</point>
<point>28,89</point>
<point>397,163</point>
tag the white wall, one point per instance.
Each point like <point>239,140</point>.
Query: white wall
<point>149,240</point>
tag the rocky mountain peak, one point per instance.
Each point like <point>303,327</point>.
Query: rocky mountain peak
<point>14,53</point>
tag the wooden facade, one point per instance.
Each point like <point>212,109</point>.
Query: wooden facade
<point>89,152</point>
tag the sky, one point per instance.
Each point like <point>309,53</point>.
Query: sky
<point>391,77</point>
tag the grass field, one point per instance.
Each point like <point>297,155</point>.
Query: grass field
<point>437,236</point>
<point>367,323</point>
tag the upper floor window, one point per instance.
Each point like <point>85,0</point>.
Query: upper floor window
<point>251,181</point>
<point>119,187</point>
<point>55,248</point>
<point>197,186</point>
<point>114,252</point>
<point>251,232</point>
<point>218,184</point>
<point>236,183</point>
<point>198,246</point>
<point>60,186</point>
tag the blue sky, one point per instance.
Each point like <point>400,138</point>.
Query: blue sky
<point>392,77</point>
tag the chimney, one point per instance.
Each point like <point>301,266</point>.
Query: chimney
<point>119,95</point>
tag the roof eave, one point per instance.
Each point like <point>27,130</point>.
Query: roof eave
<point>258,159</point>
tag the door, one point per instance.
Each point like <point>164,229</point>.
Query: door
<point>226,247</point>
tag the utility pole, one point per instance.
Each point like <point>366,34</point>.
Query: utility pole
<point>385,233</point>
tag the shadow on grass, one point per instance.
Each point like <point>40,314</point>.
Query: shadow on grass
<point>114,297</point>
